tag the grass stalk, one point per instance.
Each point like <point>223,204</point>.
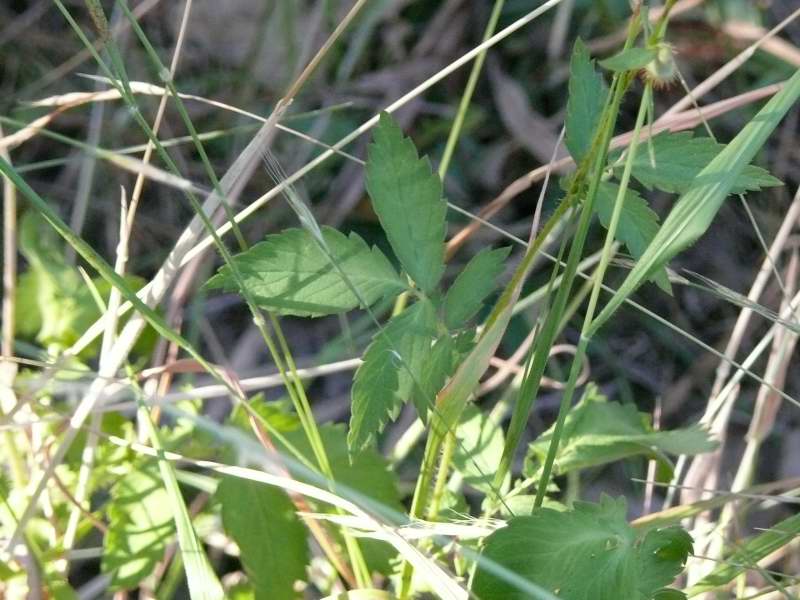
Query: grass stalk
<point>592,166</point>
<point>605,259</point>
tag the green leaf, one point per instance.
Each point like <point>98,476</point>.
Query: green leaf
<point>390,373</point>
<point>479,448</point>
<point>139,529</point>
<point>587,553</point>
<point>638,223</point>
<point>692,214</point>
<point>678,160</point>
<point>669,594</point>
<point>631,59</point>
<point>290,274</point>
<point>587,96</point>
<point>407,197</point>
<point>54,304</point>
<point>476,281</point>
<point>272,541</point>
<point>748,553</point>
<point>368,474</point>
<point>435,371</point>
<point>598,432</point>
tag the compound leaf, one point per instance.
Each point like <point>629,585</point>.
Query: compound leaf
<point>676,160</point>
<point>292,274</point>
<point>597,432</point>
<point>476,281</point>
<point>587,553</point>
<point>587,96</point>
<point>638,223</point>
<point>407,197</point>
<point>391,372</point>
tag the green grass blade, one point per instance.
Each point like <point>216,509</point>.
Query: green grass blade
<point>203,582</point>
<point>694,211</point>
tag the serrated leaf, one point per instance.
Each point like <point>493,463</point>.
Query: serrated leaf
<point>435,371</point>
<point>587,553</point>
<point>139,529</point>
<point>694,211</point>
<point>479,448</point>
<point>631,59</point>
<point>597,432</point>
<point>272,541</point>
<point>390,373</point>
<point>290,274</point>
<point>587,96</point>
<point>679,158</point>
<point>471,287</point>
<point>638,223</point>
<point>407,197</point>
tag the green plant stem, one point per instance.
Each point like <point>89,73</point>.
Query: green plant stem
<point>593,167</point>
<point>605,259</point>
<point>469,91</point>
<point>448,410</point>
<point>281,354</point>
<point>541,349</point>
<point>120,81</point>
<point>442,475</point>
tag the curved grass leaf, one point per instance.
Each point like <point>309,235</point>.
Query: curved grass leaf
<point>587,96</point>
<point>272,541</point>
<point>598,432</point>
<point>391,372</point>
<point>587,553</point>
<point>749,553</point>
<point>638,223</point>
<point>694,211</point>
<point>475,282</point>
<point>407,197</point>
<point>678,158</point>
<point>290,274</point>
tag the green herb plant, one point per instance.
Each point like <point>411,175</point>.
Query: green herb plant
<point>185,478</point>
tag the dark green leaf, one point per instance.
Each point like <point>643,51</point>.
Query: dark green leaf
<point>272,541</point>
<point>631,59</point>
<point>139,529</point>
<point>291,274</point>
<point>587,553</point>
<point>390,373</point>
<point>637,226</point>
<point>678,160</point>
<point>597,432</point>
<point>587,96</point>
<point>407,197</point>
<point>435,371</point>
<point>476,281</point>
